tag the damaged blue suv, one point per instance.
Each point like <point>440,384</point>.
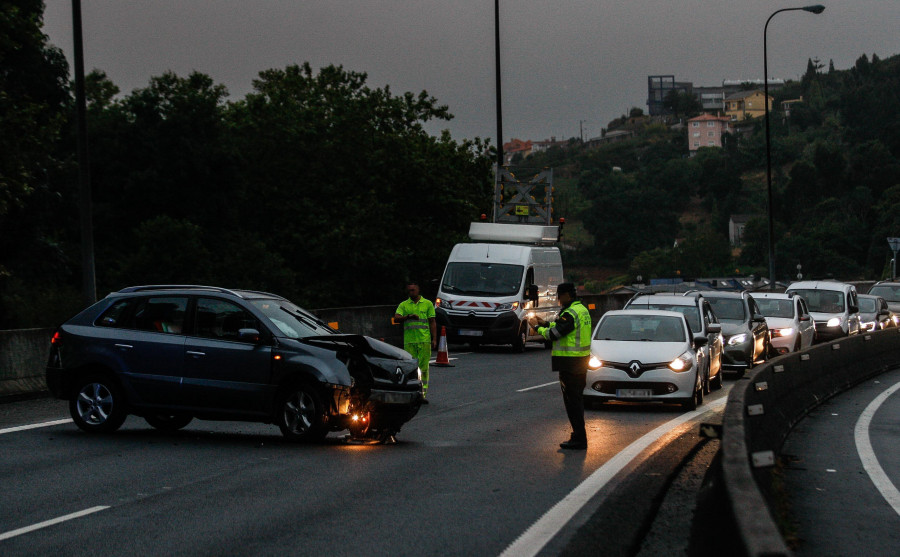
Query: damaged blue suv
<point>174,353</point>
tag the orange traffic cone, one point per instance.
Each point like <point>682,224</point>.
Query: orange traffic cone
<point>443,357</point>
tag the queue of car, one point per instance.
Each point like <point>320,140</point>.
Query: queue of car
<point>675,347</point>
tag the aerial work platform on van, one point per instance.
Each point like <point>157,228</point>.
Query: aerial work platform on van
<point>514,233</point>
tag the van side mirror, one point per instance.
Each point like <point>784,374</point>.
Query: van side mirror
<point>854,309</point>
<point>532,293</point>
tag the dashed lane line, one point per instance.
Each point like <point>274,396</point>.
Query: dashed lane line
<point>34,426</point>
<point>864,447</point>
<point>51,522</point>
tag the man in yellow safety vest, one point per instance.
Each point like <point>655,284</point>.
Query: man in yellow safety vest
<point>419,329</point>
<point>571,336</point>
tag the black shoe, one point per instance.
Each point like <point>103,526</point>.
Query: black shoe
<point>574,445</point>
<point>425,401</point>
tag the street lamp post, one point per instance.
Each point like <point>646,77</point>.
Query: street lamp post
<point>497,71</point>
<point>815,9</point>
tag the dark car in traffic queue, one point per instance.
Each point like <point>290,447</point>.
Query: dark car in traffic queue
<point>874,313</point>
<point>744,329</point>
<point>172,353</point>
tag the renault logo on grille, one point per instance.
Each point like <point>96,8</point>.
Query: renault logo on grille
<point>398,375</point>
<point>635,367</point>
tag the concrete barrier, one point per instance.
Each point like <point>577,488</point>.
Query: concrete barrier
<point>762,409</point>
<point>23,357</point>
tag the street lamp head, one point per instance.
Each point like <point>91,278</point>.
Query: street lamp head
<point>816,8</point>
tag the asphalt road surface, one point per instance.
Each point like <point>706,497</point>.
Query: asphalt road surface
<point>843,471</point>
<point>477,472</point>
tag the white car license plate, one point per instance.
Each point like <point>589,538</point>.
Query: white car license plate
<point>470,333</point>
<point>634,393</point>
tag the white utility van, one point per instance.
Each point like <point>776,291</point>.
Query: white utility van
<point>834,307</point>
<point>490,287</point>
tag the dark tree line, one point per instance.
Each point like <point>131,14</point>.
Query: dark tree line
<point>315,185</point>
<point>836,186</point>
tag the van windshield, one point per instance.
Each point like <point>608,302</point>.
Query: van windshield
<point>823,301</point>
<point>482,279</point>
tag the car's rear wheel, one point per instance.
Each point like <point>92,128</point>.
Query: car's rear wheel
<point>168,422</point>
<point>98,405</point>
<point>300,414</point>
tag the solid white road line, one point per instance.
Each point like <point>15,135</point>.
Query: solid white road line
<point>51,522</point>
<point>542,531</point>
<point>34,426</point>
<point>867,455</point>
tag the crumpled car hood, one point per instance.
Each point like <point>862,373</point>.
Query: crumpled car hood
<point>364,344</point>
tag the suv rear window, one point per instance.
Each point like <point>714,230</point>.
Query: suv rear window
<point>691,313</point>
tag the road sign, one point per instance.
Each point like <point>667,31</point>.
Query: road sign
<point>894,243</point>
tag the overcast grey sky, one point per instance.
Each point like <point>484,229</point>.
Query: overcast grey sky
<point>562,61</point>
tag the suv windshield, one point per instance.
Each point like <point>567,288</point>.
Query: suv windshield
<point>482,279</point>
<point>822,301</point>
<point>646,328</point>
<point>886,291</point>
<point>775,307</point>
<point>291,320</point>
<point>729,309</point>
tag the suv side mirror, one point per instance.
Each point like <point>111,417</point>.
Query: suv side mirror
<point>853,309</point>
<point>713,328</point>
<point>532,293</point>
<point>700,340</point>
<point>759,318</point>
<point>249,335</point>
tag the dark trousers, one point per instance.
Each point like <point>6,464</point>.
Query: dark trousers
<point>572,385</point>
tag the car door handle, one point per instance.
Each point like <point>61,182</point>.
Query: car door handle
<point>124,346</point>
<point>195,354</point>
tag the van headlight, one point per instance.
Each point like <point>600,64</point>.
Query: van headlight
<point>510,306</point>
<point>595,362</point>
<point>834,322</point>
<point>737,339</point>
<point>682,363</point>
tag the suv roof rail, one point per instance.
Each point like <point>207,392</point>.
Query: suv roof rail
<point>178,287</point>
<point>692,292</point>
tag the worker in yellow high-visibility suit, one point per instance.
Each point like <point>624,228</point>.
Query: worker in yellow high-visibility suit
<point>570,333</point>
<point>419,329</point>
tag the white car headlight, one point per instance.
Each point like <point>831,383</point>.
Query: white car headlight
<point>786,332</point>
<point>682,363</point>
<point>737,339</point>
<point>868,325</point>
<point>594,362</point>
<point>834,322</point>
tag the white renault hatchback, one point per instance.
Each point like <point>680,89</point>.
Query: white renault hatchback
<point>790,323</point>
<point>646,356</point>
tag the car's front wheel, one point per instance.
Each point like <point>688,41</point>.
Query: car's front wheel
<point>300,414</point>
<point>98,405</point>
<point>165,422</point>
<point>519,343</point>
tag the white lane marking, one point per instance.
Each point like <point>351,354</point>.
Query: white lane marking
<point>542,531</point>
<point>867,454</point>
<point>51,522</point>
<point>537,387</point>
<point>34,426</point>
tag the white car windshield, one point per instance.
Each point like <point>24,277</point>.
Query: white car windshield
<point>776,307</point>
<point>640,328</point>
<point>823,301</point>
